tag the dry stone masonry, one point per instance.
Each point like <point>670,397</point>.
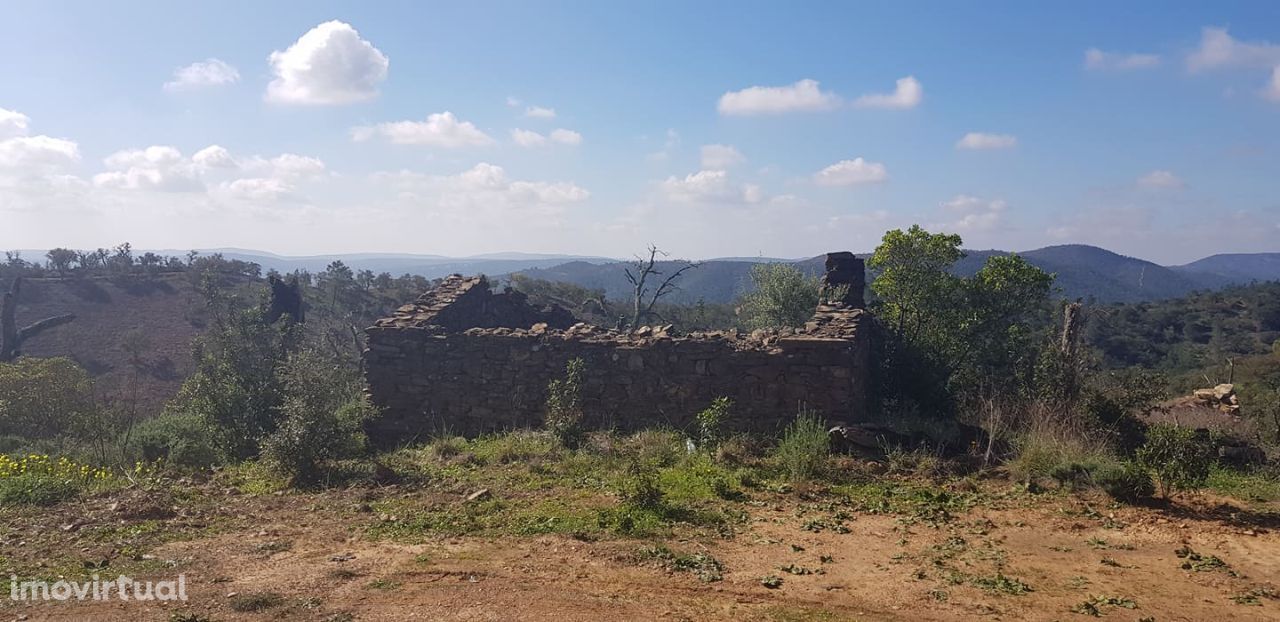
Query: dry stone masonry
<point>467,360</point>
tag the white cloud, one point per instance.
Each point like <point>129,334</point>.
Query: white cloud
<point>974,214</point>
<point>159,167</point>
<point>527,138</point>
<point>1160,179</point>
<point>13,123</point>
<point>530,138</point>
<point>513,102</point>
<point>803,96</point>
<point>330,64</point>
<point>538,112</point>
<point>980,140</point>
<point>214,156</point>
<point>709,186</point>
<point>441,129</point>
<point>1219,49</point>
<point>212,72</point>
<point>566,137</point>
<point>35,154</point>
<point>1272,90</point>
<point>719,157</point>
<point>1099,60</point>
<point>853,172</point>
<point>485,189</point>
<point>907,94</point>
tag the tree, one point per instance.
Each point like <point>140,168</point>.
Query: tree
<point>42,398</point>
<point>914,283</point>
<point>11,337</point>
<point>782,295</point>
<point>60,260</point>
<point>642,274</point>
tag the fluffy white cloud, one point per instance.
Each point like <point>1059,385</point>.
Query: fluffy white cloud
<point>330,64</point>
<point>213,169</point>
<point>161,168</point>
<point>720,157</point>
<point>37,154</point>
<point>212,72</point>
<point>13,123</point>
<point>709,186</point>
<point>907,94</point>
<point>441,129</point>
<point>980,140</point>
<point>803,96</point>
<point>1160,179</point>
<point>214,156</point>
<point>1219,49</point>
<point>974,214</point>
<point>1099,60</point>
<point>855,172</point>
<point>565,137</point>
<point>538,112</point>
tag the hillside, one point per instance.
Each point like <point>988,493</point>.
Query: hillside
<point>1237,267</point>
<point>155,317</point>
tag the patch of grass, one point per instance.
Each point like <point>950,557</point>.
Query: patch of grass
<point>929,504</point>
<point>697,478</point>
<point>804,448</point>
<point>1001,584</point>
<point>1254,596</point>
<point>707,568</point>
<point>1253,487</point>
<point>37,489</point>
<point>1196,562</point>
<point>256,601</point>
<point>518,446</point>
<point>384,584</point>
<point>1096,605</point>
<point>253,478</point>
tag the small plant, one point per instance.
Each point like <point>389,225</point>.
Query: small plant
<point>564,404</point>
<point>708,569</point>
<point>256,601</point>
<point>1002,584</point>
<point>771,581</point>
<point>805,447</point>
<point>1126,482</point>
<point>1196,562</point>
<point>1095,605</point>
<point>711,423</point>
<point>384,584</point>
<point>1179,458</point>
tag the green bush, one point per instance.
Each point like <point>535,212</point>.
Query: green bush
<point>1126,481</point>
<point>323,417</point>
<point>711,423</point>
<point>1178,457</point>
<point>564,404</point>
<point>36,489</point>
<point>44,398</point>
<point>805,447</point>
<point>181,441</point>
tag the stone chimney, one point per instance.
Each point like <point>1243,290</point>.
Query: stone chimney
<point>843,268</point>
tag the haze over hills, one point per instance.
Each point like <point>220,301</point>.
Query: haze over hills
<point>1082,271</point>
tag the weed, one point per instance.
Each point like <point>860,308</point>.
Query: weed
<point>771,581</point>
<point>256,601</point>
<point>1196,562</point>
<point>564,405</point>
<point>1254,596</point>
<point>1178,456</point>
<point>711,423</point>
<point>1097,604</point>
<point>1001,584</point>
<point>384,584</point>
<point>804,448</point>
<point>707,568</point>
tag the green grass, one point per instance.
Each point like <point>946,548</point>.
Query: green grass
<point>804,448</point>
<point>1253,487</point>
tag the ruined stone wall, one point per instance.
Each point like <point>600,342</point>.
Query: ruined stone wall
<point>428,377</point>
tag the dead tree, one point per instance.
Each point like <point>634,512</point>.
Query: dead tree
<point>642,274</point>
<point>12,337</point>
<point>286,299</point>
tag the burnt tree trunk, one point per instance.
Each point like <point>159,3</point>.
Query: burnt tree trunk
<point>11,337</point>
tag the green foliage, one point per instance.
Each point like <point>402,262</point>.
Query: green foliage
<point>235,387</point>
<point>711,422</point>
<point>181,441</point>
<point>564,404</point>
<point>1179,458</point>
<point>804,448</point>
<point>36,489</point>
<point>1126,482</point>
<point>1255,486</point>
<point>44,398</point>
<point>782,296</point>
<point>950,336</point>
<point>322,417</point>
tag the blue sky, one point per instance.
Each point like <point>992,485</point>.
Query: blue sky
<point>710,129</point>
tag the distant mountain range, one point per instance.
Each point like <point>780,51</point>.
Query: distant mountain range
<point>1082,271</point>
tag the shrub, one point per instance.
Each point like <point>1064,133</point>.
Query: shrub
<point>782,296</point>
<point>323,416</point>
<point>1125,482</point>
<point>805,447</point>
<point>1179,458</point>
<point>43,398</point>
<point>564,404</point>
<point>711,423</point>
<point>182,441</point>
<point>37,479</point>
<point>36,489</point>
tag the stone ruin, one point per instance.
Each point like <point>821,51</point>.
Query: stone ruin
<point>464,359</point>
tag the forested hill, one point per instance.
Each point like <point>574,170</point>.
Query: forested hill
<point>1085,272</point>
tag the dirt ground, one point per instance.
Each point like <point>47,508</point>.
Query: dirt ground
<point>1053,557</point>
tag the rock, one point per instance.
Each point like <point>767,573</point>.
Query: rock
<point>479,495</point>
<point>1222,391</point>
<point>1206,395</point>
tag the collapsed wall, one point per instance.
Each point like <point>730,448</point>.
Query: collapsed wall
<point>466,360</point>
